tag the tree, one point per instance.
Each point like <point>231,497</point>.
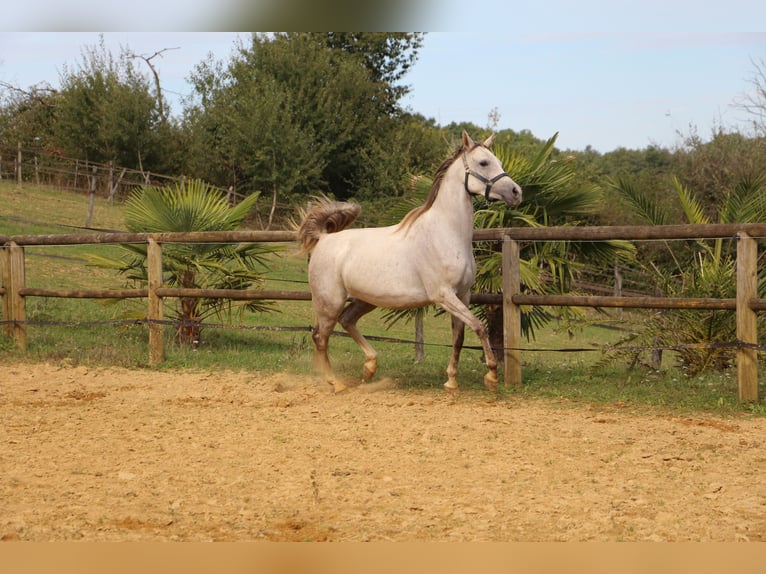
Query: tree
<point>192,206</point>
<point>754,102</point>
<point>713,168</point>
<point>649,167</point>
<point>106,111</point>
<point>27,115</point>
<point>161,106</point>
<point>293,114</point>
<point>386,56</point>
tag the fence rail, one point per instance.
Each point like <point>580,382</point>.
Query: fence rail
<point>745,305</point>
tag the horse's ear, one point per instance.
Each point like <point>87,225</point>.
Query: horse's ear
<point>468,143</point>
<point>488,142</point>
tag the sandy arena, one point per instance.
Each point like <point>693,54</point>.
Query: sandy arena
<point>115,454</point>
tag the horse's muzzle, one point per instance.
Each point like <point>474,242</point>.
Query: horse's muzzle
<point>508,191</point>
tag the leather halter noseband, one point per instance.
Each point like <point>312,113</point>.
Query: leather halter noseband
<point>488,182</point>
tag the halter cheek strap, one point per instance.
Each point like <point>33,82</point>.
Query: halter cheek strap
<point>488,182</point>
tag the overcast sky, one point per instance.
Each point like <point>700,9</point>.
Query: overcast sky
<point>639,83</point>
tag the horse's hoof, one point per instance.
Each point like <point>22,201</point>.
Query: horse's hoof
<point>370,367</point>
<point>339,388</point>
<point>451,385</point>
<point>490,381</point>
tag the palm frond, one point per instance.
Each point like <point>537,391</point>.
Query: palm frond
<point>693,210</point>
<point>648,210</point>
<point>192,205</point>
<point>746,203</point>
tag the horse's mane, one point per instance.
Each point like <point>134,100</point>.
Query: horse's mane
<point>413,215</point>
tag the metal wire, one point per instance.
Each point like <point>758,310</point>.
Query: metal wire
<point>393,340</point>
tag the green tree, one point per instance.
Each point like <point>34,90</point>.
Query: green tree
<point>386,56</point>
<point>714,167</point>
<point>27,116</point>
<point>292,114</point>
<point>106,110</point>
<point>650,168</point>
<point>192,206</point>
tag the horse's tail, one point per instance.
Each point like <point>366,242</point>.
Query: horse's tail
<point>325,216</point>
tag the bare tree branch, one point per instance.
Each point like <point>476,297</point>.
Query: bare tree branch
<point>754,101</point>
<point>148,60</point>
<point>38,92</point>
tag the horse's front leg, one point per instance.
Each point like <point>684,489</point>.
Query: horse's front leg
<point>460,311</point>
<point>458,335</point>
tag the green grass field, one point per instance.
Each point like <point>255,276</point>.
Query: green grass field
<point>81,331</point>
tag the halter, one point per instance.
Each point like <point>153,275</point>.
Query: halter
<point>489,182</point>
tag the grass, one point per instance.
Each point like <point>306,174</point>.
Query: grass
<point>74,330</point>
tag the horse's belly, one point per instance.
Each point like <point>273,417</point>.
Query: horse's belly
<point>390,286</point>
<point>397,299</point>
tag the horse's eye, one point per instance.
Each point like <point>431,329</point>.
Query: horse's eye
<point>484,163</point>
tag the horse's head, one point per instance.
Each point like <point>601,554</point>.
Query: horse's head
<point>484,173</point>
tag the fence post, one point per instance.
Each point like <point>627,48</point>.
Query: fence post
<point>92,199</point>
<point>18,165</point>
<point>111,182</point>
<point>511,312</point>
<point>420,349</point>
<point>5,274</point>
<point>14,304</point>
<point>154,271</point>
<point>747,319</point>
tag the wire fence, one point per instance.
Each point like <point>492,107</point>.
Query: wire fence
<point>711,345</point>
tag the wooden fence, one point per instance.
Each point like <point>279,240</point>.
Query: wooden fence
<point>746,304</point>
<point>48,166</point>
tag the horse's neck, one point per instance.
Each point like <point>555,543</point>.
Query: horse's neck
<point>451,212</point>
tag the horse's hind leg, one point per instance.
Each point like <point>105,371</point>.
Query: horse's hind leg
<point>326,310</point>
<point>321,337</point>
<point>351,314</point>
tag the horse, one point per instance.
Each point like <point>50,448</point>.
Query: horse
<point>427,258</point>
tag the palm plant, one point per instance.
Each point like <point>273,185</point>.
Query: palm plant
<point>551,198</point>
<point>192,206</point>
<point>696,268</point>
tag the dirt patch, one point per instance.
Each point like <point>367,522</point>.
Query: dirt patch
<point>113,454</point>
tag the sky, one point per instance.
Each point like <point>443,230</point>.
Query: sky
<point>640,83</point>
